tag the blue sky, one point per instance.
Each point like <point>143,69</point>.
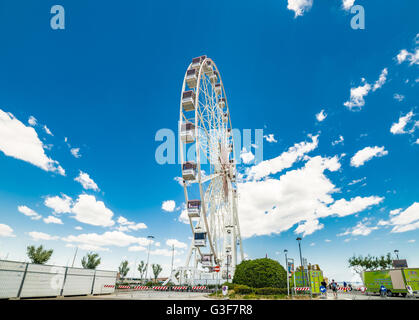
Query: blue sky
<point>107,83</point>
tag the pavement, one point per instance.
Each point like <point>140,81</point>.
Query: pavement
<point>356,295</point>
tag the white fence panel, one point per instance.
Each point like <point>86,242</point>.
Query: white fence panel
<point>11,274</point>
<point>104,282</point>
<point>42,281</point>
<point>78,282</point>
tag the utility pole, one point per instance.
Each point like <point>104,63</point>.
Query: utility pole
<point>148,255</point>
<point>286,266</point>
<point>74,258</point>
<point>173,255</point>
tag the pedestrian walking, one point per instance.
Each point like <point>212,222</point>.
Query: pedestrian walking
<point>334,286</point>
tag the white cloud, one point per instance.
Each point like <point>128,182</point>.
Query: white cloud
<point>137,248</point>
<point>321,116</point>
<point>22,142</point>
<point>360,229</point>
<point>78,228</point>
<point>398,97</point>
<point>109,238</point>
<point>52,219</point>
<point>301,196</point>
<point>59,204</point>
<point>29,212</point>
<point>32,121</point>
<point>404,55</point>
<point>284,161</point>
<point>367,154</point>
<point>270,138</point>
<point>299,6</point>
<point>35,235</point>
<point>356,181</point>
<point>126,225</point>
<point>395,211</point>
<point>406,220</point>
<point>417,141</point>
<point>179,180</point>
<point>176,243</point>
<point>6,231</point>
<point>347,4</point>
<point>339,141</point>
<point>411,241</point>
<point>86,181</point>
<point>381,80</point>
<point>75,152</point>
<point>357,97</point>
<point>246,156</point>
<point>183,217</point>
<point>398,127</point>
<point>47,131</point>
<point>88,210</point>
<point>327,240</point>
<point>168,205</point>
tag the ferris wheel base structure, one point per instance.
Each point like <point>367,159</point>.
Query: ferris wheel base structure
<point>208,166</point>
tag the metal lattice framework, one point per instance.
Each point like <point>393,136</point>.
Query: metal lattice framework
<point>209,169</point>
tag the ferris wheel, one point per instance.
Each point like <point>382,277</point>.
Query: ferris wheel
<point>206,149</point>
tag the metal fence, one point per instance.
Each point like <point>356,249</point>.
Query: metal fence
<point>27,280</point>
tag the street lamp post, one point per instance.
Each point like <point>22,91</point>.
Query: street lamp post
<point>396,252</point>
<point>286,266</point>
<point>148,255</point>
<point>301,261</point>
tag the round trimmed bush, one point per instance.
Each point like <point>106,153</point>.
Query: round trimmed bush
<point>260,273</point>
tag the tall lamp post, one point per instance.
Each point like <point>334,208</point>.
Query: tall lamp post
<point>396,252</point>
<point>286,266</point>
<point>301,261</point>
<point>150,238</point>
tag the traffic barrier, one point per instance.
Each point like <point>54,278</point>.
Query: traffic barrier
<point>109,286</point>
<point>124,287</point>
<point>160,288</point>
<point>179,288</point>
<point>199,288</point>
<point>141,288</point>
<point>302,289</point>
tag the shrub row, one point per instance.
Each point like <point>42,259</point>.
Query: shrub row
<point>243,289</point>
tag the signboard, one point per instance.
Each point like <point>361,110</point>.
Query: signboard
<point>290,266</point>
<point>225,290</point>
<point>400,263</point>
<point>383,289</point>
<point>409,289</point>
<point>217,268</point>
<point>305,263</point>
<point>322,289</point>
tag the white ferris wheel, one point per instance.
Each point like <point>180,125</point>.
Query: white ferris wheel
<point>209,170</point>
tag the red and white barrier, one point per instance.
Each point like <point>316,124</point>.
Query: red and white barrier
<point>124,287</point>
<point>302,288</point>
<point>141,288</point>
<point>159,288</point>
<point>179,288</point>
<point>109,286</point>
<point>199,288</point>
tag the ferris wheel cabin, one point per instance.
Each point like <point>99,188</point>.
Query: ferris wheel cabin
<point>200,238</point>
<point>188,100</point>
<point>217,89</point>
<point>189,171</point>
<point>194,208</point>
<point>191,78</point>
<point>187,132</point>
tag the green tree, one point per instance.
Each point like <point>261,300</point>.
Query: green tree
<point>260,273</point>
<point>360,264</point>
<point>90,261</point>
<point>156,270</point>
<point>141,268</point>
<point>39,255</point>
<point>123,269</point>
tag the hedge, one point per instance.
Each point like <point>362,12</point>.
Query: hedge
<point>260,273</point>
<point>243,289</point>
<point>270,291</point>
